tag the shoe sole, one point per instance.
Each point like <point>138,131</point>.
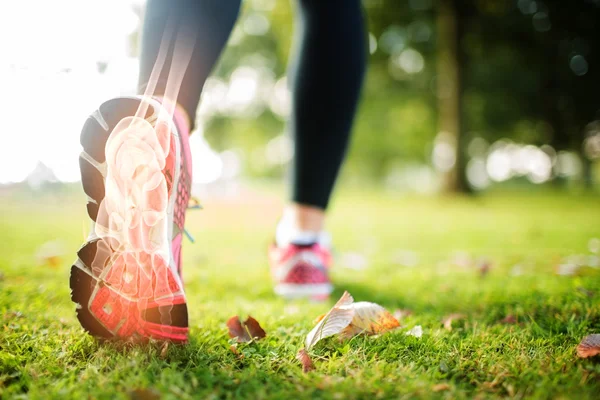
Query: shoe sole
<point>291,291</point>
<point>120,292</point>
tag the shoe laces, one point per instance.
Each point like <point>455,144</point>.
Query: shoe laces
<point>193,204</point>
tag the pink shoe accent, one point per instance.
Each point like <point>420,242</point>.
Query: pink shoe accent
<point>301,271</point>
<point>183,188</point>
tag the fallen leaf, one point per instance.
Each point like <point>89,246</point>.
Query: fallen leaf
<point>509,319</point>
<point>144,394</point>
<point>402,313</point>
<point>245,332</point>
<point>417,331</point>
<point>349,319</point>
<point>369,318</point>
<point>447,321</point>
<point>256,331</point>
<point>333,322</point>
<point>484,267</point>
<point>164,351</point>
<point>319,318</point>
<point>304,358</point>
<point>589,346</point>
<point>440,387</point>
<point>236,330</point>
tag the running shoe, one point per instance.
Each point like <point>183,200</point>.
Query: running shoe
<point>136,171</point>
<point>301,271</point>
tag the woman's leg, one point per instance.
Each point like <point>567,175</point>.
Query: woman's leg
<point>205,24</point>
<point>326,76</point>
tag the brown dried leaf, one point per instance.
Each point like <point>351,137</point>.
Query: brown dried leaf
<point>369,318</point>
<point>236,330</point>
<point>347,319</point>
<point>245,332</point>
<point>440,387</point>
<point>256,331</point>
<point>509,320</point>
<point>447,321</point>
<point>305,360</point>
<point>589,346</point>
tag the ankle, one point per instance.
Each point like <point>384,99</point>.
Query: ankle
<point>304,217</point>
<point>303,225</point>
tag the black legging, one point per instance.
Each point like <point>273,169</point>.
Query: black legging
<point>326,75</point>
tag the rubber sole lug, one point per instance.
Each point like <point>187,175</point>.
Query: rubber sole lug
<point>85,283</point>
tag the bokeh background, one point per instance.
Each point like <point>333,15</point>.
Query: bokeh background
<point>471,189</point>
<point>460,96</point>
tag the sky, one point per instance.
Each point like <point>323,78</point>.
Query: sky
<point>51,82</point>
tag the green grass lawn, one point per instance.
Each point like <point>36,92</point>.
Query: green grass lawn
<point>524,237</point>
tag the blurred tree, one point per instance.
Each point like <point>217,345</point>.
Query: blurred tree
<point>519,69</point>
<point>529,69</point>
<point>450,62</point>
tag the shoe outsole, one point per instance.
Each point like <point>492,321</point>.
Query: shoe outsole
<point>107,307</point>
<point>313,291</point>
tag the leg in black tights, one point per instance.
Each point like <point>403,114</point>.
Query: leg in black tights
<point>326,75</point>
<point>211,21</point>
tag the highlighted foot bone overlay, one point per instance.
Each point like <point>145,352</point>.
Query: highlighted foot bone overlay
<point>125,281</point>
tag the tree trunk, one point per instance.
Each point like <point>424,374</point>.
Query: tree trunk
<point>588,172</point>
<point>449,93</point>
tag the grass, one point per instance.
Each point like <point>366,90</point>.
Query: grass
<point>45,354</point>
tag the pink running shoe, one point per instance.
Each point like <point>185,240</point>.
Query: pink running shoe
<point>136,173</point>
<point>301,271</point>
